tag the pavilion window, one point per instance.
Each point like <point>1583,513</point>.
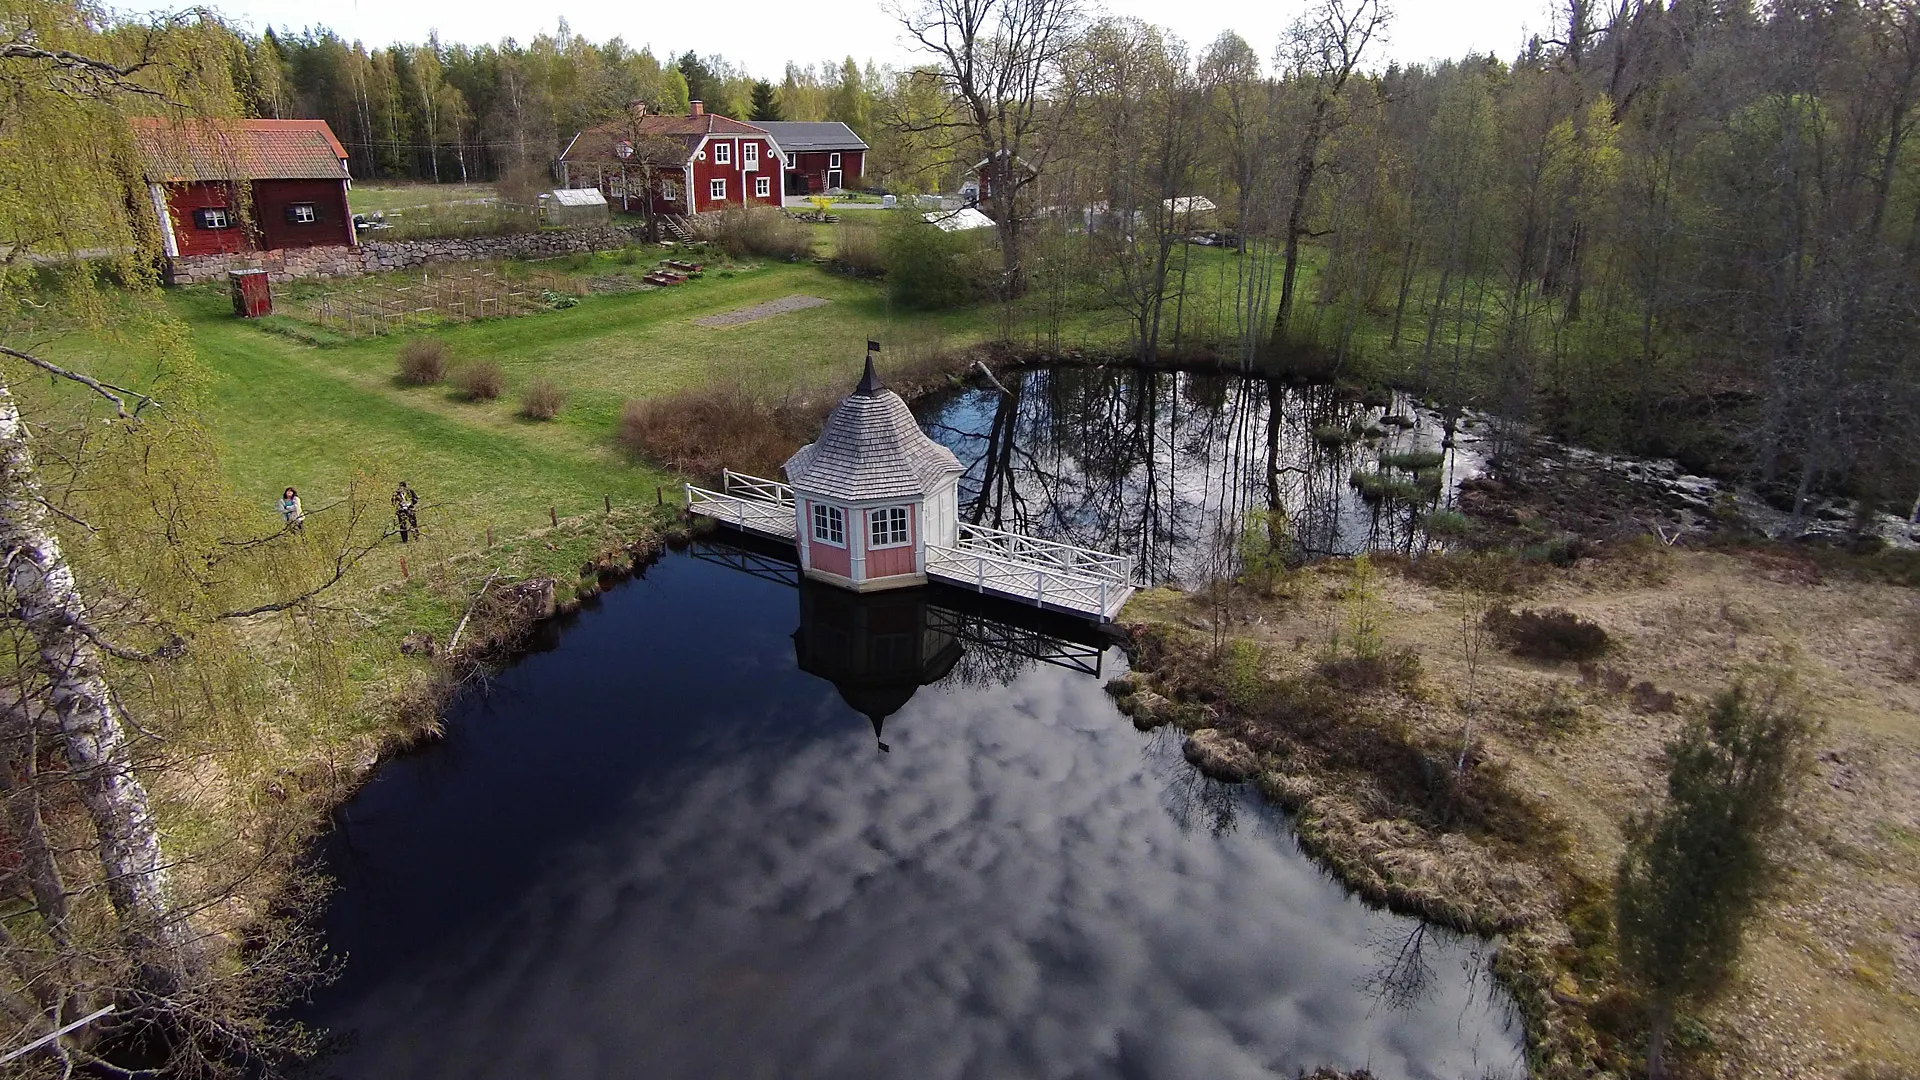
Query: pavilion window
<point>888,527</point>
<point>830,525</point>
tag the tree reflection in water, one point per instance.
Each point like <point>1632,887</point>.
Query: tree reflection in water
<point>1168,466</point>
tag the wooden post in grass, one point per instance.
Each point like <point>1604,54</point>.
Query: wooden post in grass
<point>553,516</point>
<point>489,536</point>
<point>403,569</point>
<point>609,499</point>
<point>659,499</point>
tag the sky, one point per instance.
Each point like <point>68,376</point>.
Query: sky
<point>762,35</point>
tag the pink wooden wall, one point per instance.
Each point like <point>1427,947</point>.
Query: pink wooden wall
<point>826,557</point>
<point>890,561</point>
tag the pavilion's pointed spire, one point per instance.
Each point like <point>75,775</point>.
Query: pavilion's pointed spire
<point>870,383</point>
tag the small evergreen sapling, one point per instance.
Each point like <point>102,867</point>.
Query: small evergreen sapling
<point>1697,869</point>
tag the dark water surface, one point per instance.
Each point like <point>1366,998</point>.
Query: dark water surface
<point>1165,466</point>
<point>672,847</point>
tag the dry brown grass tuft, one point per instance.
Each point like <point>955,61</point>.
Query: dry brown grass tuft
<point>423,361</point>
<point>705,430</point>
<point>543,400</point>
<point>1553,634</point>
<point>479,380</point>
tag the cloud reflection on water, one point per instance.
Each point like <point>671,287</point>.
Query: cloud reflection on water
<point>1022,888</point>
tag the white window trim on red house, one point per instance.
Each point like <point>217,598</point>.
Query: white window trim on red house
<point>762,187</point>
<point>722,153</point>
<point>717,189</point>
<point>833,161</point>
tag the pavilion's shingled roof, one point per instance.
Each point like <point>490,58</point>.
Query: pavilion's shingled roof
<point>183,150</point>
<point>871,448</point>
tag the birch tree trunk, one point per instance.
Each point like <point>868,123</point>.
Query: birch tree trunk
<point>85,711</point>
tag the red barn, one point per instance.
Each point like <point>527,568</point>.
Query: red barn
<point>226,186</point>
<point>821,155</point>
<point>686,164</point>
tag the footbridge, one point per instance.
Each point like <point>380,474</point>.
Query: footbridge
<point>1044,573</point>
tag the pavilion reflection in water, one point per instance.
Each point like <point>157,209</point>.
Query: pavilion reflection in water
<point>879,648</point>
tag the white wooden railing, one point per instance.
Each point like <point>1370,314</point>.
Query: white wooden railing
<point>755,487</point>
<point>749,502</point>
<point>987,570</point>
<point>1066,558</point>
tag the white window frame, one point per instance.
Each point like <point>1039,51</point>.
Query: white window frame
<point>762,187</point>
<point>828,520</point>
<point>750,153</point>
<point>880,527</point>
<point>213,217</point>
<point>722,153</point>
<point>669,190</point>
<point>833,161</point>
<point>717,189</point>
<point>304,213</point>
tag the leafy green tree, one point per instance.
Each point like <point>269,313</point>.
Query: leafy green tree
<point>766,106</point>
<point>140,591</point>
<point>927,269</point>
<point>703,83</point>
<point>1697,869</point>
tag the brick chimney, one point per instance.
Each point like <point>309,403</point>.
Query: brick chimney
<point>699,108</point>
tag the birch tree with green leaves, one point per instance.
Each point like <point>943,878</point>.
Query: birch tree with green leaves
<point>155,625</point>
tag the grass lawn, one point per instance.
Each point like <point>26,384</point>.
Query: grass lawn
<point>367,198</point>
<point>291,412</point>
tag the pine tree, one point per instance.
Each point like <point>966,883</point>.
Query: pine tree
<point>1697,869</point>
<point>765,106</point>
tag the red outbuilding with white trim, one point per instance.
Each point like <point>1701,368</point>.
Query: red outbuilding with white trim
<point>231,186</point>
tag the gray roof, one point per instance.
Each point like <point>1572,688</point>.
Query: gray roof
<point>871,448</point>
<point>802,135</point>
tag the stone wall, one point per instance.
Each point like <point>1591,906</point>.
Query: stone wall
<point>379,256</point>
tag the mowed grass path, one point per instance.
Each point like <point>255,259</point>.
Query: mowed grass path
<point>291,413</point>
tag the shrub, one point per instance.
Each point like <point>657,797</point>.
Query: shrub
<point>856,249</point>
<point>542,401</point>
<point>756,230</point>
<point>1554,634</point>
<point>423,361</point>
<point>927,269</point>
<point>479,380</point>
<point>1395,668</point>
<point>1447,523</point>
<point>705,430</point>
<point>1413,461</point>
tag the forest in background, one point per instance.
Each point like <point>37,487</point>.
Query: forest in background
<point>1677,228</point>
<point>454,112</point>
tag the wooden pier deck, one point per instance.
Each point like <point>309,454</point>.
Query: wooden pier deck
<point>1044,573</point>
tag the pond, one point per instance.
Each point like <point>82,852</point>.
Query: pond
<point>726,825</point>
<point>1170,466</point>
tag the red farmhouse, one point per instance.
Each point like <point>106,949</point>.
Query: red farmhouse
<point>687,164</point>
<point>821,155</point>
<point>220,187</point>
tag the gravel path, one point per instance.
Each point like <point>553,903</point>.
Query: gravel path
<point>761,311</point>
